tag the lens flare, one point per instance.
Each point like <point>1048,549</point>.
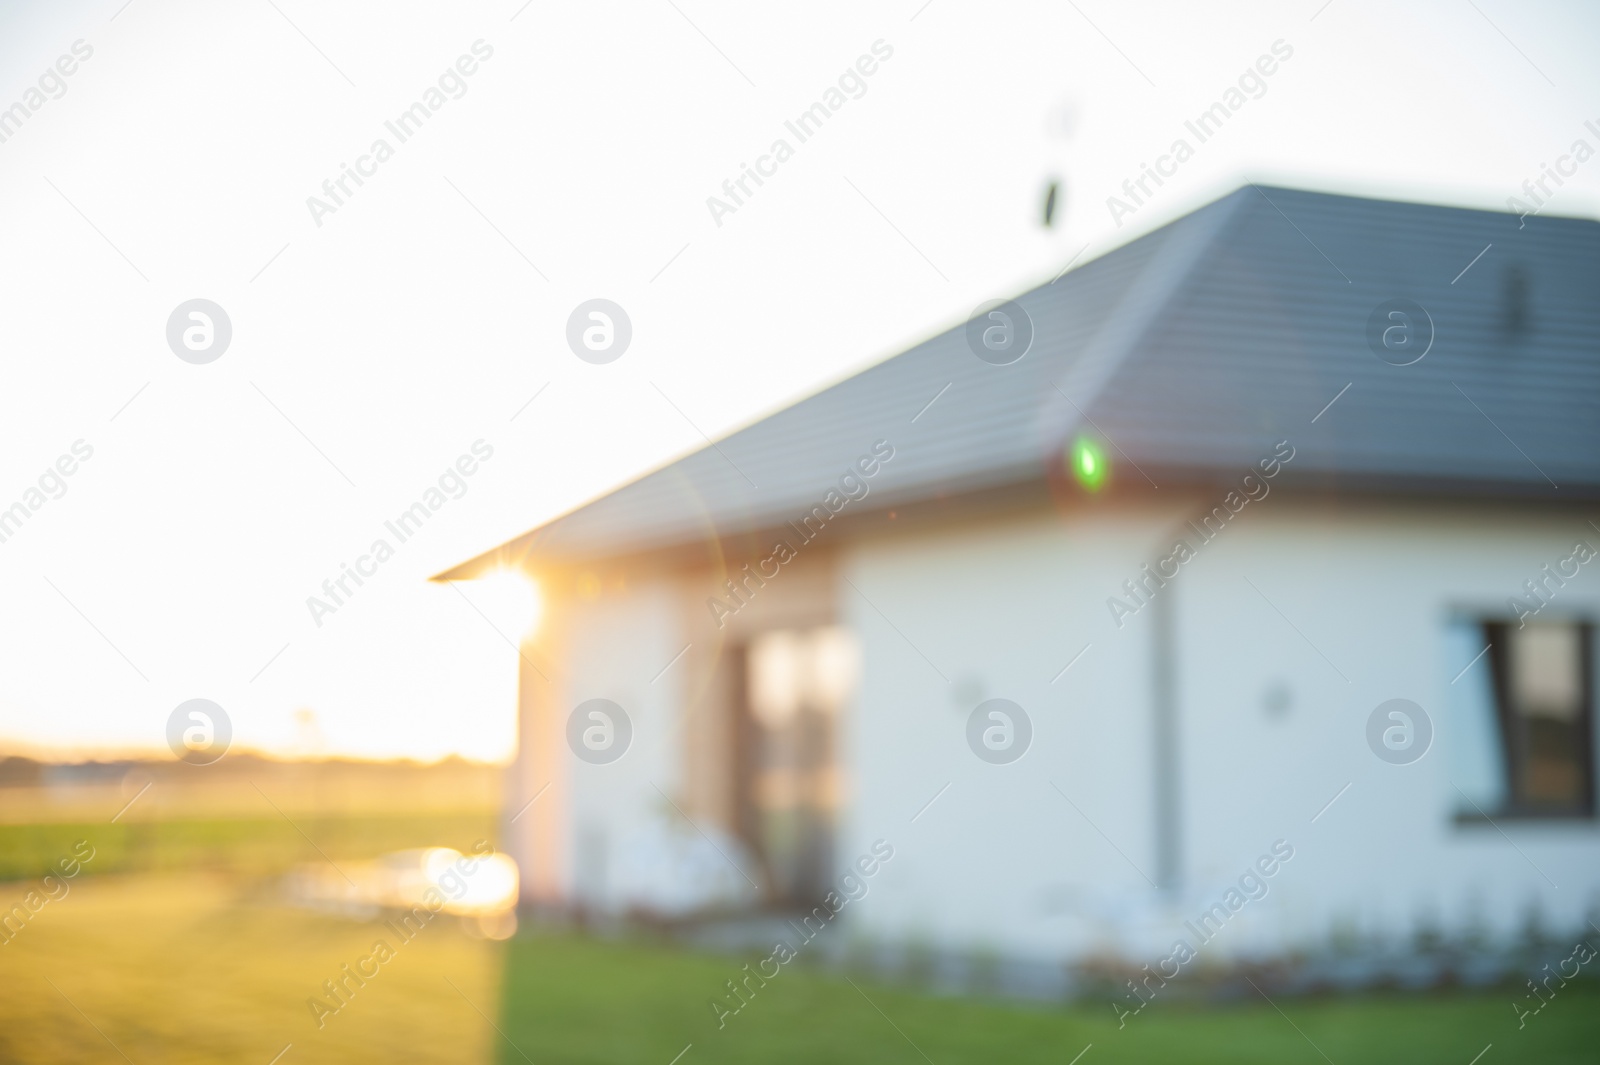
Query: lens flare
<point>1089,464</point>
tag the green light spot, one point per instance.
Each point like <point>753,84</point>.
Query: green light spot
<point>1089,464</point>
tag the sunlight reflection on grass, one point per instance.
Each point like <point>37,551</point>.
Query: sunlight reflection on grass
<point>205,968</point>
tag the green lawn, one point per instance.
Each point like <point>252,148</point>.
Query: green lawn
<point>211,967</point>
<point>572,1000</point>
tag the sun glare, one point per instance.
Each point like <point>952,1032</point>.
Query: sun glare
<point>510,599</point>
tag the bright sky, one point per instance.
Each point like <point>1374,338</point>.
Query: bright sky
<point>371,351</point>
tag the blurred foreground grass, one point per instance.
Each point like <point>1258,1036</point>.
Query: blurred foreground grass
<point>208,967</point>
<point>575,1000</point>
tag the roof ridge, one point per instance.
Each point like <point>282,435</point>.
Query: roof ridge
<point>1143,303</point>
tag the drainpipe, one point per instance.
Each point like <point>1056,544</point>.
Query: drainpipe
<point>1164,696</point>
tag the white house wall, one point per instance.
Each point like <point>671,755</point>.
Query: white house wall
<point>1003,861</point>
<point>1373,590</point>
<point>615,646</point>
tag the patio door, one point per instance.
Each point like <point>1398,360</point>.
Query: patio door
<point>796,683</point>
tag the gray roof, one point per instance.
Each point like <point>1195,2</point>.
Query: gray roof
<point>1192,350</point>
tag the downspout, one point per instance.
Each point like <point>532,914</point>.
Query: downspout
<point>1167,791</point>
<point>1164,697</point>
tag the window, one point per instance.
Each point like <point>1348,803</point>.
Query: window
<point>1522,720</point>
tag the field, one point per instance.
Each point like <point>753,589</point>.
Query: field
<point>258,845</point>
<point>212,967</point>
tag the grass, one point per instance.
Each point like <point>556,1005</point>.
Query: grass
<point>212,967</point>
<point>202,968</point>
<point>575,1001</point>
<point>238,845</point>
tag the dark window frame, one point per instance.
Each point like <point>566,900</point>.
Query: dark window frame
<point>1512,728</point>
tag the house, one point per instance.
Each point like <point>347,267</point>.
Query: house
<point>1234,590</point>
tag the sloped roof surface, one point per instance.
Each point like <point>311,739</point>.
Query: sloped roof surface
<point>1191,351</point>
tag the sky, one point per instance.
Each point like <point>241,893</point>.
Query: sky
<point>378,337</point>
